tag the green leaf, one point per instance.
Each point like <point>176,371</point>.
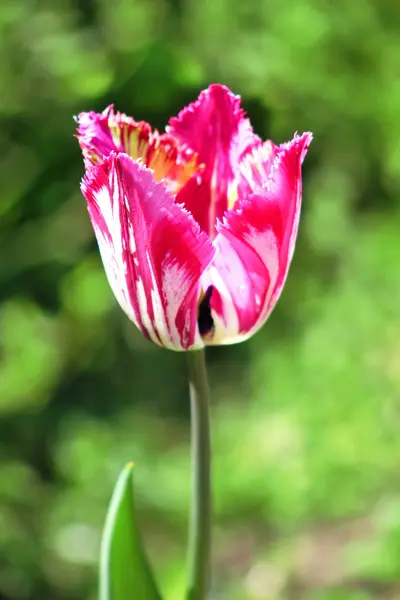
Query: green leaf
<point>124,570</point>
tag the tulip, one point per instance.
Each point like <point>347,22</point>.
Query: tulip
<point>196,226</point>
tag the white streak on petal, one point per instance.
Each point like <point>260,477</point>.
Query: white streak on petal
<point>144,315</point>
<point>160,323</point>
<point>266,246</point>
<point>174,292</point>
<point>132,243</point>
<point>117,283</point>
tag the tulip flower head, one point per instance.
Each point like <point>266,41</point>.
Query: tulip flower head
<point>196,226</point>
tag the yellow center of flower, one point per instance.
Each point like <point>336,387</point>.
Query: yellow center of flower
<point>233,194</point>
<point>168,165</point>
<point>160,153</point>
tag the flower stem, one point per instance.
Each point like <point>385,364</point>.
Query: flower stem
<point>200,518</point>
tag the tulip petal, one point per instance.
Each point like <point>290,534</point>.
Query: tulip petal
<point>255,168</point>
<point>153,251</point>
<point>99,134</point>
<point>214,127</point>
<point>254,247</point>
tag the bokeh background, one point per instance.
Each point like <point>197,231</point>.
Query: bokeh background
<point>306,415</point>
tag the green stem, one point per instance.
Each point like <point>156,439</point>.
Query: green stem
<point>200,518</point>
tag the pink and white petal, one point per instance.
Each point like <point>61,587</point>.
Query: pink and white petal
<point>255,168</point>
<point>254,249</point>
<point>244,270</point>
<point>215,127</point>
<point>285,184</point>
<point>153,251</point>
<point>99,134</point>
<point>278,168</point>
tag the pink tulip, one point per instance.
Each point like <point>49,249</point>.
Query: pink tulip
<point>197,226</point>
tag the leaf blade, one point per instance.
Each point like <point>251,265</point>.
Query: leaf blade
<point>125,573</point>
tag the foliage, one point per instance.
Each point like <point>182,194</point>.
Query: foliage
<point>306,414</point>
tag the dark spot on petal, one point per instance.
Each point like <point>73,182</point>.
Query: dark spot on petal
<point>205,320</point>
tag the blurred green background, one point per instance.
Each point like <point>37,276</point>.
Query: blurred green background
<point>306,415</point>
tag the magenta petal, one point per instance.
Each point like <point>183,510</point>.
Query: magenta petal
<point>214,127</point>
<point>99,134</point>
<point>285,186</point>
<point>254,248</point>
<point>153,251</point>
